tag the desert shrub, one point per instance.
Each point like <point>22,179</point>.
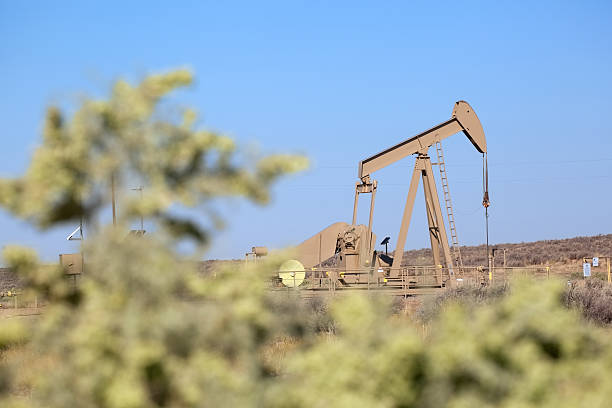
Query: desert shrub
<point>318,314</point>
<point>525,349</point>
<point>593,297</point>
<point>469,296</point>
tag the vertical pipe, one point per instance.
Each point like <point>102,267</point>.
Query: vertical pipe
<point>113,198</point>
<point>355,204</point>
<point>487,233</point>
<point>370,220</point>
<point>486,202</point>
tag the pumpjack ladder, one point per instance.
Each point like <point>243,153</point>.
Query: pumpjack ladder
<point>449,207</point>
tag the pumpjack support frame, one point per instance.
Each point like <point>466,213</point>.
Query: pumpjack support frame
<point>464,120</point>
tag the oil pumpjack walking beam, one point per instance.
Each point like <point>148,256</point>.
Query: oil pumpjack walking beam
<point>464,120</point>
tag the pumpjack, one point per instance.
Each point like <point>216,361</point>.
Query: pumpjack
<point>352,246</point>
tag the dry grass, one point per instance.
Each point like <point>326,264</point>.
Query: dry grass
<point>27,364</point>
<point>275,353</point>
<point>593,297</point>
<point>472,296</point>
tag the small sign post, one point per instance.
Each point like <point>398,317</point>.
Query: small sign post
<point>595,261</point>
<point>586,269</point>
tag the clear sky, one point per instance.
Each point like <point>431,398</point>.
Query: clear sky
<point>339,83</point>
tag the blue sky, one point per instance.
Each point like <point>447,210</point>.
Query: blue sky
<point>339,83</point>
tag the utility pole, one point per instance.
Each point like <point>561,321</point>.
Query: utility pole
<point>140,188</point>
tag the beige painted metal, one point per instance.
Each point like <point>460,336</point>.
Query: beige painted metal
<point>365,187</point>
<point>259,251</point>
<point>320,246</point>
<point>434,235</point>
<point>463,119</point>
<point>401,240</point>
<point>72,263</point>
<point>256,253</point>
<point>352,247</point>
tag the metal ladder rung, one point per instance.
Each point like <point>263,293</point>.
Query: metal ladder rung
<point>449,206</point>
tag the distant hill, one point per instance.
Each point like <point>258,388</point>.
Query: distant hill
<point>8,280</point>
<point>563,255</point>
<point>556,251</point>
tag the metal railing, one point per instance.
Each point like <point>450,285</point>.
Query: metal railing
<point>407,280</point>
<point>15,299</point>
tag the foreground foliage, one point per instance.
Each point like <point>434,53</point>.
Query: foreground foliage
<point>152,333</point>
<point>143,329</point>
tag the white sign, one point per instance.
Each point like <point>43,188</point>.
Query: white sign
<point>586,269</point>
<point>595,261</point>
